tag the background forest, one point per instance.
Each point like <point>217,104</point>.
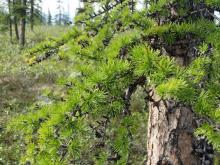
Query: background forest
<point>110,82</point>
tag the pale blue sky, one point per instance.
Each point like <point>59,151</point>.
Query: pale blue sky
<point>73,4</point>
<point>52,6</point>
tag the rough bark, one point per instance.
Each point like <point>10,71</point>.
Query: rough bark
<point>170,133</point>
<point>171,124</point>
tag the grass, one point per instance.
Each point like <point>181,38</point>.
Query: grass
<point>21,86</point>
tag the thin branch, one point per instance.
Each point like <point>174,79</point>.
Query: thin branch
<point>105,9</point>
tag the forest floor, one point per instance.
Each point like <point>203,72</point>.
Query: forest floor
<point>23,87</point>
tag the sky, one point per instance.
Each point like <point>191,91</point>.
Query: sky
<point>52,6</point>
<point>73,4</point>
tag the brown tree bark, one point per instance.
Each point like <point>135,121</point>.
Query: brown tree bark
<point>16,27</point>
<point>170,133</point>
<point>15,20</point>
<point>32,15</point>
<point>22,23</point>
<point>10,20</point>
<point>171,124</point>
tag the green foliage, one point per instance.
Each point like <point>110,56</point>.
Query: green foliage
<point>212,135</point>
<point>215,3</point>
<point>112,57</point>
<point>198,69</point>
<point>146,66</point>
<point>176,88</point>
<point>21,87</point>
<point>3,19</point>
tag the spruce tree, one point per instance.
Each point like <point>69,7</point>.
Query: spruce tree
<point>169,52</point>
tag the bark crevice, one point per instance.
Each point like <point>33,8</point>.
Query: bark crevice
<point>170,133</point>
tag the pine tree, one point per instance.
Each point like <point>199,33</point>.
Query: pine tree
<point>169,51</point>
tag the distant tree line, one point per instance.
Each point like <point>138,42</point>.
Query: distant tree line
<point>61,17</point>
<point>3,19</point>
<point>16,14</point>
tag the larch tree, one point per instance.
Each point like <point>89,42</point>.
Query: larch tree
<point>3,18</point>
<point>167,52</point>
<point>21,13</point>
<point>15,20</point>
<point>10,18</point>
<point>23,7</point>
<point>32,14</point>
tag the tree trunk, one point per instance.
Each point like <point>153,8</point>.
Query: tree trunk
<point>171,124</point>
<point>22,24</point>
<point>32,15</point>
<point>15,20</point>
<point>170,133</point>
<point>10,21</point>
<point>132,5</point>
<point>16,27</point>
